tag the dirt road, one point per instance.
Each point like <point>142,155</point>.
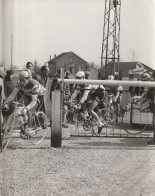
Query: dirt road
<point>81,167</point>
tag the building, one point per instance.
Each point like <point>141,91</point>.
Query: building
<point>128,70</point>
<point>71,62</point>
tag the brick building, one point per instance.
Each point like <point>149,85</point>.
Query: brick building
<point>71,62</point>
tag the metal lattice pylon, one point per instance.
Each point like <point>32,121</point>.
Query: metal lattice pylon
<point>111,36</point>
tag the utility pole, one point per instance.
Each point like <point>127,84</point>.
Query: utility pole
<point>11,50</point>
<point>111,36</point>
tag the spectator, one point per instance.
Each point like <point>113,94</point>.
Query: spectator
<point>87,74</point>
<point>8,83</point>
<point>43,76</point>
<point>55,85</point>
<point>66,96</point>
<point>2,75</point>
<point>29,69</point>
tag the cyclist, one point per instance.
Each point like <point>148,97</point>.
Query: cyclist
<point>117,92</point>
<point>81,93</point>
<point>31,91</point>
<point>96,96</point>
<point>88,93</point>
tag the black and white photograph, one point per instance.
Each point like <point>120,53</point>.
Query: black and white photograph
<point>77,97</point>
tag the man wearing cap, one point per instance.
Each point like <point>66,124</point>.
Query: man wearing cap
<point>30,90</point>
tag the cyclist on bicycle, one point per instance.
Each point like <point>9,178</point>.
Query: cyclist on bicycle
<point>117,92</point>
<point>81,93</point>
<point>96,96</point>
<point>30,92</point>
<point>86,93</point>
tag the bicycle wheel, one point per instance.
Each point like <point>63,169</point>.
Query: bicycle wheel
<point>39,128</point>
<point>69,128</point>
<point>133,123</point>
<point>7,132</point>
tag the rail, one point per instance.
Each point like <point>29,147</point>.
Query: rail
<point>57,107</point>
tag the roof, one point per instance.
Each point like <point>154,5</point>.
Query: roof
<point>62,55</point>
<point>124,67</point>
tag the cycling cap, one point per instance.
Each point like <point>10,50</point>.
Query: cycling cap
<point>80,74</point>
<point>23,74</point>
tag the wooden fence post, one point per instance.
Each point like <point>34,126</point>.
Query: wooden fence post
<point>0,118</point>
<point>56,114</point>
<point>153,141</point>
<point>56,119</point>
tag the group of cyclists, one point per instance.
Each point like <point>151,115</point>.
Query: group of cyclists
<point>88,97</point>
<point>31,88</point>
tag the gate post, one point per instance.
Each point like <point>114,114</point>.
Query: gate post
<point>153,141</point>
<point>0,118</point>
<point>56,114</point>
<point>56,119</point>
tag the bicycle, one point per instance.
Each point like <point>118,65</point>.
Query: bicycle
<point>134,119</point>
<point>39,126</point>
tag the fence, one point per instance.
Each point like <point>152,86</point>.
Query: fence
<point>133,123</point>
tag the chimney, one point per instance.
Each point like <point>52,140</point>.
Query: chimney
<point>50,56</point>
<point>55,55</point>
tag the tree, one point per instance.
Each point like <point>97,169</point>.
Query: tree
<point>92,64</point>
<point>133,55</point>
<point>36,67</point>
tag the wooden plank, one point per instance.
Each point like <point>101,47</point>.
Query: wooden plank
<point>56,119</point>
<point>0,118</point>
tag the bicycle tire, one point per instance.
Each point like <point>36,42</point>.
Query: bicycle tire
<point>39,128</point>
<point>131,126</point>
<point>7,133</point>
<point>71,127</point>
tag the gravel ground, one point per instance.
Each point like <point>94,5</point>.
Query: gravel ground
<point>93,166</point>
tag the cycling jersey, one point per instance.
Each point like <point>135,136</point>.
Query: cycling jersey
<point>32,90</point>
<point>115,89</point>
<point>81,93</point>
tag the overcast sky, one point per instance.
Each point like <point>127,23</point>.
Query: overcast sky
<point>41,28</point>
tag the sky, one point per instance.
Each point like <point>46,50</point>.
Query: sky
<point>41,28</point>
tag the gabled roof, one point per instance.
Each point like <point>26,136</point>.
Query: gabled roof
<point>62,55</point>
<point>125,67</point>
<point>57,57</point>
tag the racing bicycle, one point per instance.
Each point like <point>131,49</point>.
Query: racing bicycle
<point>38,129</point>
